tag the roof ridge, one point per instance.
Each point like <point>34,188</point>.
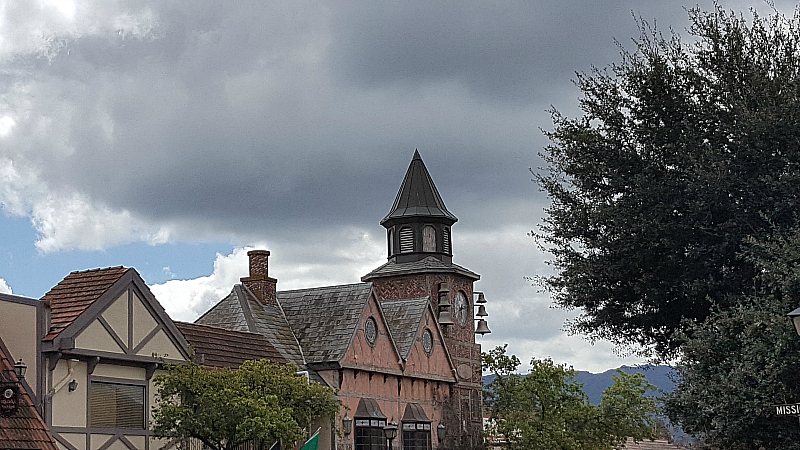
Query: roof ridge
<point>361,283</point>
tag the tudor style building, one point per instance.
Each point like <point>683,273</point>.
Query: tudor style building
<point>399,347</point>
<point>92,345</point>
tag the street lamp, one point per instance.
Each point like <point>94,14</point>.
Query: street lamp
<point>390,431</point>
<point>795,316</point>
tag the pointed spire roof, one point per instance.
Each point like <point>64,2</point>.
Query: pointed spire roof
<point>418,196</point>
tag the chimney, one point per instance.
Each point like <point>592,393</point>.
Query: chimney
<point>259,282</point>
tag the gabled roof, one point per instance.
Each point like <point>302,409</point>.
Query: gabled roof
<point>81,297</point>
<point>25,429</point>
<point>404,318</point>
<point>324,319</point>
<point>418,196</point>
<point>227,314</point>
<point>75,293</point>
<point>240,311</point>
<point>429,264</point>
<point>218,347</point>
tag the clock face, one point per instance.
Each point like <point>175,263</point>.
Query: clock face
<point>460,308</point>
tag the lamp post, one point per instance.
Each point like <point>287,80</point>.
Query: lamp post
<point>390,431</point>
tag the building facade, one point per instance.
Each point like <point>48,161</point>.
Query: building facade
<point>398,347</point>
<point>92,345</point>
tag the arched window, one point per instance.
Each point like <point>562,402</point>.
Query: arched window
<point>428,239</point>
<point>391,242</point>
<point>406,240</point>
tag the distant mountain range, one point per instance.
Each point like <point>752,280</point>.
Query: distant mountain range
<point>595,383</point>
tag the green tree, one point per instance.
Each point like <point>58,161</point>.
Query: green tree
<point>744,359</point>
<point>223,408</point>
<point>547,408</point>
<point>683,151</point>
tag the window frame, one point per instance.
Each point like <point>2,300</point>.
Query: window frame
<point>374,432</point>
<point>143,384</point>
<point>417,435</point>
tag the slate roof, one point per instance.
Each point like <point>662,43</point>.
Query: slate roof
<point>25,429</point>
<point>227,314</point>
<point>418,196</point>
<point>240,311</point>
<point>218,347</point>
<point>404,318</point>
<point>324,319</point>
<point>70,298</point>
<point>429,264</point>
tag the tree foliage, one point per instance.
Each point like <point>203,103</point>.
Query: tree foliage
<point>683,152</point>
<point>223,408</point>
<point>741,361</point>
<point>547,408</point>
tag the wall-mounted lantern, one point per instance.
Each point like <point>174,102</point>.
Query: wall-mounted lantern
<point>20,369</point>
<point>440,433</point>
<point>347,425</point>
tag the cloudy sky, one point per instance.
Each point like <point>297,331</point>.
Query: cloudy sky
<point>171,136</point>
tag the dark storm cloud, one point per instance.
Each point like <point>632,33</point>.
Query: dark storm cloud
<point>233,113</point>
<point>512,51</point>
<point>247,114</point>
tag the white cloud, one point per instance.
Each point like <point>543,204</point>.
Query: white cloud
<point>4,287</point>
<point>186,299</point>
<point>69,220</point>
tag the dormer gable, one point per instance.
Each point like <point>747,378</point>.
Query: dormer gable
<point>419,339</point>
<point>372,346</point>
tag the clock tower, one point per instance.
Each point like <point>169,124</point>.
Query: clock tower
<point>420,264</point>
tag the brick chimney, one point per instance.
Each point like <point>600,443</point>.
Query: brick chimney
<point>259,282</point>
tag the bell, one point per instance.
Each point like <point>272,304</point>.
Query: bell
<point>481,311</point>
<point>482,327</point>
<point>444,287</point>
<point>444,318</point>
<point>481,298</point>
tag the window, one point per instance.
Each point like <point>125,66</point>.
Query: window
<point>446,240</point>
<point>416,436</point>
<point>391,242</point>
<point>371,330</point>
<point>427,341</point>
<point>114,405</point>
<point>369,434</point>
<point>477,405</point>
<point>428,239</point>
<point>406,240</point>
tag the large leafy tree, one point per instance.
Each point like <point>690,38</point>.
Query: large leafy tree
<point>547,408</point>
<point>742,360</point>
<point>683,151</point>
<point>223,408</point>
